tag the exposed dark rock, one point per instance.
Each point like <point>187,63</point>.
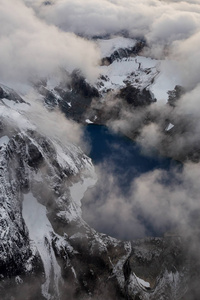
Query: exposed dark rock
<point>175,95</point>
<point>10,94</point>
<point>135,96</point>
<point>124,53</point>
<point>49,97</point>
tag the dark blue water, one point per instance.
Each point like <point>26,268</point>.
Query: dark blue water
<point>121,159</point>
<point>124,155</point>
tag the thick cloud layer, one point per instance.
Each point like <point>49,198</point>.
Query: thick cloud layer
<point>171,28</point>
<point>38,37</point>
<point>164,21</point>
<point>151,206</point>
<point>30,49</point>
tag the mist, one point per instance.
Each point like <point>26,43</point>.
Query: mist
<point>153,205</point>
<point>30,49</point>
<point>158,201</point>
<point>38,41</point>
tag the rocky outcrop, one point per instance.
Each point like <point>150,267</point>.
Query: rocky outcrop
<point>136,97</point>
<point>73,96</point>
<point>124,53</point>
<point>10,94</point>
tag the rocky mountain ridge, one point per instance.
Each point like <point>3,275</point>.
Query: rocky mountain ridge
<point>40,178</point>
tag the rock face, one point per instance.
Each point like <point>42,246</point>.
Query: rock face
<point>47,251</point>
<point>73,96</point>
<point>10,94</point>
<point>122,72</point>
<point>136,97</point>
<point>124,52</point>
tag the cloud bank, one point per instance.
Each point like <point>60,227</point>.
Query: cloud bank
<point>156,202</point>
<point>171,28</point>
<point>37,40</point>
<point>30,48</point>
<point>94,17</point>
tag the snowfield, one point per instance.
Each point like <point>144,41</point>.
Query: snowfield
<point>159,76</point>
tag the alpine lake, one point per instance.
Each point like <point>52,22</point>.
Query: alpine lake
<point>118,158</point>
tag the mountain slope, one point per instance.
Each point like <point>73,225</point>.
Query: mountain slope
<point>47,249</point>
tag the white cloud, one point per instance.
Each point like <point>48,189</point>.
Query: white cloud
<point>37,40</point>
<point>186,52</point>
<point>54,124</point>
<point>30,48</point>
<point>151,205</point>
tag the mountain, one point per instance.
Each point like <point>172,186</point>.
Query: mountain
<point>125,72</point>
<point>47,250</point>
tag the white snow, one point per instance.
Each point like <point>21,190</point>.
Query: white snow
<point>78,189</point>
<point>88,121</point>
<point>166,80</point>
<point>143,282</point>
<point>169,127</point>
<point>11,114</point>
<point>40,230</point>
<point>159,76</point>
<point>146,62</point>
<point>87,179</point>
<point>107,47</point>
<point>63,158</point>
<point>14,105</point>
<point>138,71</point>
<point>4,140</point>
<point>74,272</point>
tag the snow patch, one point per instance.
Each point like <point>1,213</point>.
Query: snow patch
<point>138,71</point>
<point>78,189</point>
<point>11,114</point>
<point>88,121</point>
<point>4,140</point>
<point>14,105</point>
<point>166,80</point>
<point>169,127</point>
<point>40,230</point>
<point>64,157</point>
<point>143,282</point>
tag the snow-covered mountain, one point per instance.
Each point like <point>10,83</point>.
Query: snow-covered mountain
<point>133,67</point>
<point>124,73</point>
<point>47,250</point>
<point>124,64</point>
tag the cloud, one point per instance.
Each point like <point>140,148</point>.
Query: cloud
<point>106,208</point>
<point>53,124</point>
<point>186,52</point>
<point>36,40</point>
<point>29,48</point>
<point>157,201</point>
<point>160,19</point>
<point>171,28</point>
